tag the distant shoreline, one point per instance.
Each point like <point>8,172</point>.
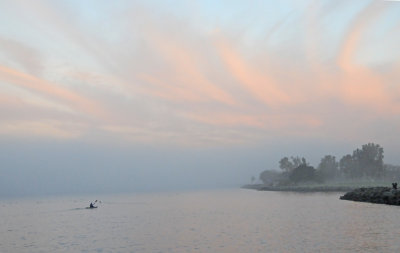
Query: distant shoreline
<point>311,188</point>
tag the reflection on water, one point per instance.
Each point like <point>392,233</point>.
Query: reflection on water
<point>207,221</point>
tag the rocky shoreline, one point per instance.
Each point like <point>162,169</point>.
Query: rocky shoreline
<point>378,195</point>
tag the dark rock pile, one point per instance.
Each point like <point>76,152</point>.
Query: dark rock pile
<point>379,195</point>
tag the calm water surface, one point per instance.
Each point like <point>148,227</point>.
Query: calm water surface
<point>206,221</point>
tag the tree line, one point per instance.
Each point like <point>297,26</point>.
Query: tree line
<point>364,163</point>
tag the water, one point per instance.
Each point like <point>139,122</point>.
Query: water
<point>204,221</point>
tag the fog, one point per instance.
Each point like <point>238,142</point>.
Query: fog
<point>60,168</point>
<point>57,167</point>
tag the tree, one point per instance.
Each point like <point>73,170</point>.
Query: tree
<point>369,160</point>
<point>365,162</point>
<point>328,167</point>
<point>286,165</point>
<point>289,165</point>
<point>347,166</point>
<point>297,161</point>
<point>303,173</point>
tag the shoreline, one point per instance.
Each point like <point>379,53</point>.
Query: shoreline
<point>316,188</point>
<point>328,187</point>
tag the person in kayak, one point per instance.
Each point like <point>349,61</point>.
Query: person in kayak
<point>91,205</point>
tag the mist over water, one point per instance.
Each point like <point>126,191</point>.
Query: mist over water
<point>52,168</point>
<point>199,221</point>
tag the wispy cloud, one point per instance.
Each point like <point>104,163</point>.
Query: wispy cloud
<point>187,77</point>
<point>21,55</point>
<point>352,39</point>
<point>261,86</point>
<point>50,90</point>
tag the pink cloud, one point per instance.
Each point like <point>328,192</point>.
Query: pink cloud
<point>51,90</point>
<point>188,75</point>
<point>167,73</point>
<point>263,86</point>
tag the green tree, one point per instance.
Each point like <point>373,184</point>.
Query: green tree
<point>369,160</point>
<point>303,173</point>
<point>365,162</point>
<point>289,165</point>
<point>286,165</point>
<point>297,161</point>
<point>328,168</point>
<point>347,166</point>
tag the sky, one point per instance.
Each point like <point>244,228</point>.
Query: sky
<point>109,96</point>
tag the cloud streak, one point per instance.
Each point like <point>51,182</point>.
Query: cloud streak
<point>50,90</point>
<point>168,76</point>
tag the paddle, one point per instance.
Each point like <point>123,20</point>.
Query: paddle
<point>99,202</point>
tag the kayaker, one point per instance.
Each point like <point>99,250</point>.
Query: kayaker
<point>91,205</point>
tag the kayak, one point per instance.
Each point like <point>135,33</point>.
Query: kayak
<point>91,207</point>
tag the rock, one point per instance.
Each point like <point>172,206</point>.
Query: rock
<point>387,194</point>
<point>379,195</point>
